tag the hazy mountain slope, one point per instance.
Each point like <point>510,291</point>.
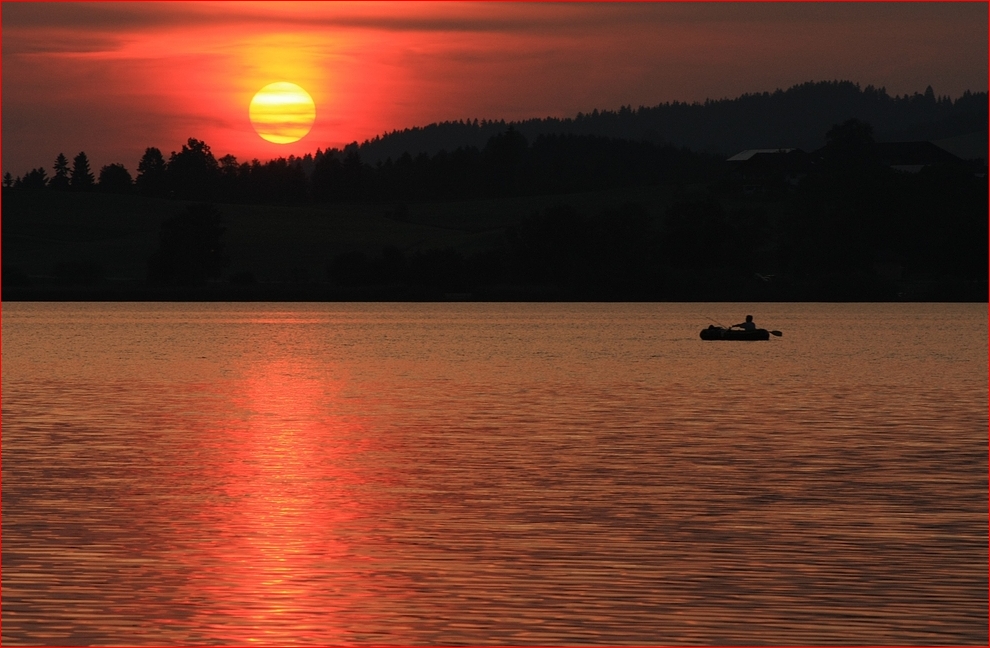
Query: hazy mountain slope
<point>797,117</point>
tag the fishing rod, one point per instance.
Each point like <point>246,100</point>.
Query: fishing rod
<point>715,322</point>
<point>773,333</point>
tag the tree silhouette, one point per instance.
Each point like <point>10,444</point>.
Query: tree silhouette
<point>334,179</point>
<point>193,172</point>
<point>190,250</point>
<point>151,178</point>
<point>35,179</point>
<point>327,176</point>
<point>82,178</point>
<point>281,181</point>
<point>230,185</point>
<point>851,140</point>
<point>60,181</point>
<point>505,155</point>
<point>8,180</point>
<point>114,178</point>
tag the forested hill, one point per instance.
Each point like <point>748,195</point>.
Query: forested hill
<point>793,118</point>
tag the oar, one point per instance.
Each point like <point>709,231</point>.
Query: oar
<point>773,333</point>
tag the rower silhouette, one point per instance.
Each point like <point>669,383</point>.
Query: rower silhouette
<point>748,325</point>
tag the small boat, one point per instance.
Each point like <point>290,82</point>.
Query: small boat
<point>720,333</point>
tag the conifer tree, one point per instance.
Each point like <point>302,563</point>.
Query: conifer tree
<point>60,181</point>
<point>82,178</point>
<point>151,173</point>
<point>35,179</point>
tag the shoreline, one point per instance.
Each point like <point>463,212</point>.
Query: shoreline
<point>934,292</point>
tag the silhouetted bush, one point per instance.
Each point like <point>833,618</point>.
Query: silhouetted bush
<point>114,178</point>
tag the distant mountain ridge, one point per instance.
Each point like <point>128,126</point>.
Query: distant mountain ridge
<point>794,118</point>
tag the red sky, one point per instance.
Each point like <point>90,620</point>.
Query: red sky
<point>114,78</point>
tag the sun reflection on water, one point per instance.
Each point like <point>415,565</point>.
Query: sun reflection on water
<point>480,473</point>
<point>286,492</point>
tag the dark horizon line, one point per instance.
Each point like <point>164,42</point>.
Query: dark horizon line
<point>482,123</point>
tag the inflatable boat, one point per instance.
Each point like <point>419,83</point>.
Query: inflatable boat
<point>719,333</point>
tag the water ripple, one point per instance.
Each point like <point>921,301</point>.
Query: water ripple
<point>492,474</point>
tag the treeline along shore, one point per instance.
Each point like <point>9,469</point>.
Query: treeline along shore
<point>552,216</point>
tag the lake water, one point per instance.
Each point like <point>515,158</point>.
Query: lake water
<point>493,474</point>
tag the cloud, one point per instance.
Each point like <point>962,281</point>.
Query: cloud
<point>32,44</point>
<point>462,16</point>
<point>387,16</point>
<point>105,75</point>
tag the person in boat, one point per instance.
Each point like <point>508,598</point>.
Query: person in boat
<point>748,325</point>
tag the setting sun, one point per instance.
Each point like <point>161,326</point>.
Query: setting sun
<point>282,112</point>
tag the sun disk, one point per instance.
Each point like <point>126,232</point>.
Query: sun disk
<point>282,112</point>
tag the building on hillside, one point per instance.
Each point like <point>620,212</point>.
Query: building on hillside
<point>912,157</point>
<point>760,171</point>
<point>766,171</point>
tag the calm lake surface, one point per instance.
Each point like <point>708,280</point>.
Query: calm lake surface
<point>493,474</point>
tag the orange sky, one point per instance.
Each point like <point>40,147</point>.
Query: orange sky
<point>115,78</point>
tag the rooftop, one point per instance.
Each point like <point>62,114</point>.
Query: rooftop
<point>747,154</point>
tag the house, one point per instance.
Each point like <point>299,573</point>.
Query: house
<point>912,157</point>
<point>759,171</point>
<point>762,170</point>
